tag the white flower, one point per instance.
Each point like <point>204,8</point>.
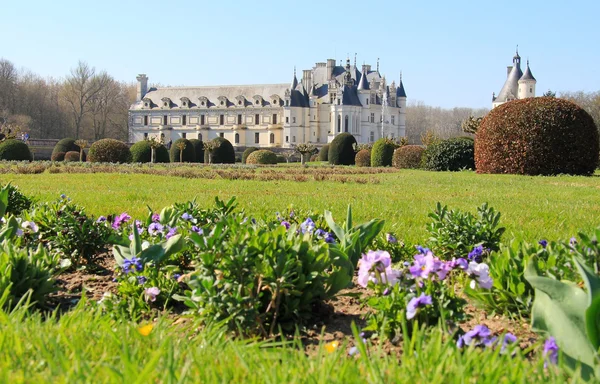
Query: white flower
<point>481,273</point>
<point>145,245</point>
<point>30,225</point>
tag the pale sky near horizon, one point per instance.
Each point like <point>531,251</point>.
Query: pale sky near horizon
<point>451,53</point>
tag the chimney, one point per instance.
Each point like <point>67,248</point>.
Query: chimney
<point>307,79</point>
<point>508,69</point>
<point>142,86</point>
<point>330,65</point>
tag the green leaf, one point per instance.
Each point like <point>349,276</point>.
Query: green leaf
<point>121,253</point>
<point>592,321</point>
<point>339,232</point>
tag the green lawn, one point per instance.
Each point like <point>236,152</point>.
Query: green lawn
<point>532,207</point>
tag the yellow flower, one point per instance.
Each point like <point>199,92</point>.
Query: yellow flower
<point>331,347</point>
<point>145,330</point>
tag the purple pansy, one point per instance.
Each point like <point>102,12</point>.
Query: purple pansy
<point>480,274</point>
<point>186,216</point>
<point>543,243</point>
<point>197,229</point>
<point>119,220</point>
<point>390,238</point>
<point>286,224</point>
<point>155,217</point>
<point>550,351</point>
<point>415,303</point>
<point>151,293</point>
<point>101,219</point>
<point>308,226</point>
<point>171,232</point>
<point>155,228</point>
<point>132,265</point>
<point>480,335</point>
<point>476,254</point>
<point>375,266</point>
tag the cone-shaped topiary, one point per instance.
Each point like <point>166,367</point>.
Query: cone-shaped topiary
<point>408,156</point>
<point>13,149</point>
<point>341,149</point>
<point>141,152</point>
<point>109,151</point>
<point>72,156</point>
<point>58,156</point>
<point>363,158</point>
<point>382,152</point>
<point>247,153</point>
<point>262,156</point>
<point>452,154</point>
<point>324,153</point>
<point>537,136</point>
<point>199,148</point>
<point>66,145</point>
<point>223,152</point>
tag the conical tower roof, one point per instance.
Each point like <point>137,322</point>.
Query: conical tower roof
<point>400,92</point>
<point>295,81</point>
<point>363,85</point>
<point>527,75</point>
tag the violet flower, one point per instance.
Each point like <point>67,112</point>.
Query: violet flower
<point>186,216</point>
<point>308,226</point>
<point>415,303</point>
<point>480,335</point>
<point>476,254</point>
<point>155,228</point>
<point>132,265</point>
<point>390,238</point>
<point>543,243</point>
<point>151,293</point>
<point>480,274</point>
<point>550,352</point>
<point>286,224</point>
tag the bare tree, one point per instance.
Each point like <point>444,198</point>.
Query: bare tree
<point>79,90</point>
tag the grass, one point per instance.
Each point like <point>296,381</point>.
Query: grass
<point>532,207</point>
<point>82,346</point>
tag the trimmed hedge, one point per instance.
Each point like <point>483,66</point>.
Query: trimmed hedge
<point>324,153</point>
<point>223,153</point>
<point>262,156</point>
<point>65,145</point>
<point>453,154</point>
<point>72,156</point>
<point>189,153</point>
<point>141,152</point>
<point>13,149</point>
<point>537,136</point>
<point>199,148</point>
<point>247,153</point>
<point>58,156</point>
<point>341,149</point>
<point>382,153</point>
<point>109,151</point>
<point>408,156</point>
<point>363,158</point>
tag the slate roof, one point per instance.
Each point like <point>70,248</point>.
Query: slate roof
<point>511,86</point>
<point>350,96</point>
<point>527,75</point>
<point>400,92</point>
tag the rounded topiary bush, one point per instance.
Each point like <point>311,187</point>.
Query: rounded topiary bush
<point>199,148</point>
<point>223,152</point>
<point>281,159</point>
<point>247,153</point>
<point>453,154</point>
<point>141,152</point>
<point>363,158</point>
<point>324,153</point>
<point>65,145</point>
<point>341,150</point>
<point>189,153</point>
<point>13,149</point>
<point>262,156</point>
<point>72,156</point>
<point>382,153</point>
<point>58,156</point>
<point>109,151</point>
<point>408,156</point>
<point>537,136</point>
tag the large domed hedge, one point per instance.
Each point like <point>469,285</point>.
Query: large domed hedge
<point>13,149</point>
<point>109,151</point>
<point>537,136</point>
<point>189,153</point>
<point>382,153</point>
<point>453,154</point>
<point>223,152</point>
<point>65,145</point>
<point>141,152</point>
<point>263,156</point>
<point>199,148</point>
<point>72,156</point>
<point>341,149</point>
<point>324,153</point>
<point>408,156</point>
<point>247,153</point>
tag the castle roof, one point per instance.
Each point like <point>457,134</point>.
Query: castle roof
<point>527,75</point>
<point>363,85</point>
<point>400,92</point>
<point>511,86</point>
<point>350,96</point>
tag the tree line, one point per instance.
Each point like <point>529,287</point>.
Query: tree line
<point>86,104</point>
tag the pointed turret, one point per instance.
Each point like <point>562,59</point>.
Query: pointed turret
<point>527,75</point>
<point>527,84</point>
<point>363,84</point>
<point>295,81</point>
<point>400,92</point>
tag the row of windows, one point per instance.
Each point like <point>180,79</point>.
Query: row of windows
<point>221,119</point>
<point>236,137</point>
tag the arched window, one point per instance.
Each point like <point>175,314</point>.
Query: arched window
<point>237,138</point>
<point>272,138</point>
<point>346,124</point>
<point>339,124</point>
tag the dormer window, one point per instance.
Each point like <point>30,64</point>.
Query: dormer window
<point>185,102</point>
<point>241,101</point>
<point>166,102</point>
<point>223,101</point>
<point>203,101</point>
<point>275,99</point>
<point>147,103</point>
<point>258,100</point>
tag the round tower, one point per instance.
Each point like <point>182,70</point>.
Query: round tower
<point>363,89</point>
<point>527,84</point>
<point>401,103</point>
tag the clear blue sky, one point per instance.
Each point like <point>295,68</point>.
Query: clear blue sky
<point>451,53</point>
